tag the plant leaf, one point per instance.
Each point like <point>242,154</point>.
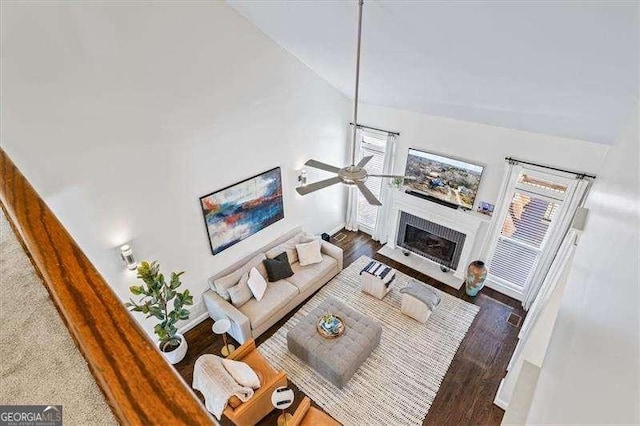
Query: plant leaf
<point>136,289</point>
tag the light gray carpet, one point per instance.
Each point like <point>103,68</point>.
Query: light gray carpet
<point>40,362</point>
<point>398,382</point>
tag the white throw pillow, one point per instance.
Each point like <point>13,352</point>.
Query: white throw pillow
<point>242,373</point>
<point>257,284</point>
<point>289,246</point>
<point>309,253</point>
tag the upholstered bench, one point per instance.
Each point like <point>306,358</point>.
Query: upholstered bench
<point>335,359</point>
<point>418,301</point>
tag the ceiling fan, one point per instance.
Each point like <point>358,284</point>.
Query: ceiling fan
<point>354,174</point>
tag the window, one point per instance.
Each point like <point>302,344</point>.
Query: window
<point>375,145</point>
<point>526,225</point>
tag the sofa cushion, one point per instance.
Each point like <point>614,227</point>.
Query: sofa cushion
<point>305,277</point>
<point>278,268</point>
<point>278,294</point>
<point>223,284</point>
<point>241,293</point>
<point>289,247</point>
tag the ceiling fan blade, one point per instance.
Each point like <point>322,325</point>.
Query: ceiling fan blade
<point>322,166</point>
<point>394,176</point>
<point>304,190</point>
<point>364,161</point>
<point>371,199</point>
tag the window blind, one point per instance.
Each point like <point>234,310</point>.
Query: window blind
<point>524,230</point>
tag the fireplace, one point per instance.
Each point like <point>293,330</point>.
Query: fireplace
<point>430,240</point>
<point>429,245</point>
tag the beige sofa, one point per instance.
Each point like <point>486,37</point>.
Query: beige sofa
<point>254,318</point>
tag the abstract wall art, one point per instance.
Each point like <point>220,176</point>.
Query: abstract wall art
<point>238,211</point>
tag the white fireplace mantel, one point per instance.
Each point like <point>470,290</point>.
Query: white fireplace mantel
<point>469,223</point>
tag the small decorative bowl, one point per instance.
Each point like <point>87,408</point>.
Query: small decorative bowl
<point>330,326</point>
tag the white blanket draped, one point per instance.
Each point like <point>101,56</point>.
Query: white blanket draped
<point>216,384</point>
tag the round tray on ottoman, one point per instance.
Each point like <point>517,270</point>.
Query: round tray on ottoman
<point>335,359</point>
<point>336,330</point>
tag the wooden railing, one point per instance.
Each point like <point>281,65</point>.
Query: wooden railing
<point>139,385</point>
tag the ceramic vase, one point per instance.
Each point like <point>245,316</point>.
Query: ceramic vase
<point>476,274</point>
<point>176,355</point>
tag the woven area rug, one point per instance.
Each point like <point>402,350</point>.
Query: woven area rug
<point>399,381</point>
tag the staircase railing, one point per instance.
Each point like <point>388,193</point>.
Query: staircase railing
<point>139,385</point>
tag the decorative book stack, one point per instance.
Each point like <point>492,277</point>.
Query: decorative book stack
<point>377,278</point>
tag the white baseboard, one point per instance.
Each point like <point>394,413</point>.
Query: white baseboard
<point>336,229</point>
<point>498,401</point>
<point>191,324</point>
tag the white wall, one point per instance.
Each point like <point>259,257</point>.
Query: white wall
<point>122,115</point>
<point>591,370</point>
<point>481,144</point>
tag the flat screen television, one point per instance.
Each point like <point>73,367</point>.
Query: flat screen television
<point>453,181</point>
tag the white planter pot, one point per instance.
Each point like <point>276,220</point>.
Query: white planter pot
<point>178,354</point>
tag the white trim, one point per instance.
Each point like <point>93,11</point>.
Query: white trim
<point>335,230</point>
<point>197,320</point>
<point>366,229</point>
<point>498,401</point>
<point>465,222</point>
<point>541,171</point>
<point>508,290</point>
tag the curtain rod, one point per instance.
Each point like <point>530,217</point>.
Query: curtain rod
<point>374,128</point>
<point>580,175</point>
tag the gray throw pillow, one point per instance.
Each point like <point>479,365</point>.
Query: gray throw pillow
<point>278,268</point>
<point>241,293</point>
<point>223,284</point>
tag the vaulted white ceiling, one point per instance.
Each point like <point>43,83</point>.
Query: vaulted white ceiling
<point>564,68</point>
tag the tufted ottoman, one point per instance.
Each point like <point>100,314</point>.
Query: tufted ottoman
<point>335,359</point>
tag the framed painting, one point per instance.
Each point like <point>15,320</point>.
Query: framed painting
<point>238,211</point>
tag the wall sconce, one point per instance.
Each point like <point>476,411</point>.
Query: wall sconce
<point>126,253</point>
<point>302,177</point>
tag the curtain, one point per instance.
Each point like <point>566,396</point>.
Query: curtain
<point>574,197</point>
<point>351,221</point>
<point>511,171</point>
<point>382,219</point>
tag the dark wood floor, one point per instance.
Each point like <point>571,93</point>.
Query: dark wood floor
<point>467,391</point>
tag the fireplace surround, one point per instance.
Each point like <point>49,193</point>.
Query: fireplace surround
<point>431,240</point>
<point>467,229</point>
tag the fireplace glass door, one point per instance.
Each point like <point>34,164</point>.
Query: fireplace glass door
<point>429,245</point>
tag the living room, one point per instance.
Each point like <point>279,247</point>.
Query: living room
<point>514,144</point>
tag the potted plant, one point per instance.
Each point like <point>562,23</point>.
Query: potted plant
<point>397,182</point>
<point>156,302</point>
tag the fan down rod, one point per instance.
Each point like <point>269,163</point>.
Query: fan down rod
<point>355,100</point>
